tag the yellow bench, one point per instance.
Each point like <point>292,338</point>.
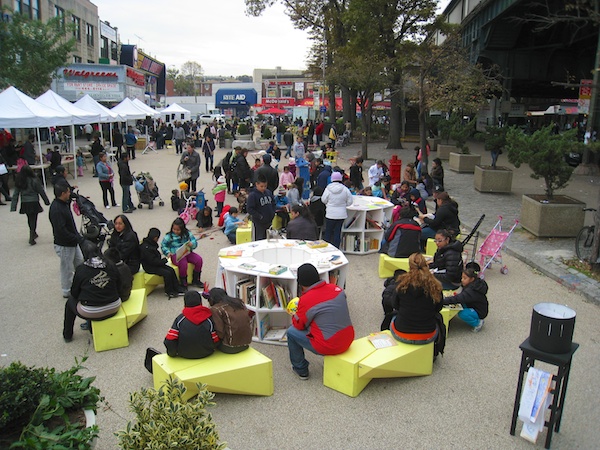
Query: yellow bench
<point>246,373</point>
<point>190,272</point>
<point>448,314</point>
<point>351,371</point>
<point>388,265</point>
<point>243,234</point>
<point>112,333</point>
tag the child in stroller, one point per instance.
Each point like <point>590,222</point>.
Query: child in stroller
<point>94,226</point>
<point>147,190</point>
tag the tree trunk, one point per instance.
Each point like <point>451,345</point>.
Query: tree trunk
<point>353,109</point>
<point>423,126</point>
<point>346,104</point>
<point>595,256</point>
<point>332,115</point>
<point>396,100</point>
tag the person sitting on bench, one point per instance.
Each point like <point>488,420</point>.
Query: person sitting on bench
<point>193,334</point>
<point>231,319</point>
<point>447,264</point>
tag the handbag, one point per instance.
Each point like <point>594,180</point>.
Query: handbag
<point>3,169</point>
<point>150,353</point>
<point>183,173</point>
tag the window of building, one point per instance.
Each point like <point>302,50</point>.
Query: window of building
<point>91,61</point>
<point>76,28</point>
<point>285,91</point>
<point>104,47</point>
<point>113,51</point>
<point>89,32</point>
<point>76,59</point>
<point>30,8</point>
<point>60,12</point>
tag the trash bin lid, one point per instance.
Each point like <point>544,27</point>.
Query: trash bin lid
<point>554,311</point>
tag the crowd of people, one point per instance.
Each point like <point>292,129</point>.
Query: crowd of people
<point>95,284</point>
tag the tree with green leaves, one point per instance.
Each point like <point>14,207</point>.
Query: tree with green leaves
<point>32,50</point>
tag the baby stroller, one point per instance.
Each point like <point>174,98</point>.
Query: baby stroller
<point>491,248</point>
<point>190,211</point>
<point>343,139</point>
<point>147,190</point>
<point>94,226</point>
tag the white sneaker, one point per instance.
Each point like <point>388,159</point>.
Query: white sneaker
<point>107,206</point>
<point>478,327</point>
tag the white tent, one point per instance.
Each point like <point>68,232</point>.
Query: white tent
<point>17,110</point>
<point>129,110</point>
<point>106,115</point>
<point>149,111</point>
<point>175,112</point>
<point>78,115</point>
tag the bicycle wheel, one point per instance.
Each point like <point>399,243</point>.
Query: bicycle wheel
<point>584,243</point>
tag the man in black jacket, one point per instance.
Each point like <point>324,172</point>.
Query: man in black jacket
<point>242,170</point>
<point>268,172</point>
<point>66,236</point>
<point>261,208</point>
<point>193,334</point>
<point>126,180</point>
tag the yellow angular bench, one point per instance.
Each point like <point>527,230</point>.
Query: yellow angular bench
<point>448,314</point>
<point>112,333</point>
<point>190,271</point>
<point>388,265</point>
<point>243,234</point>
<point>245,373</point>
<point>351,371</point>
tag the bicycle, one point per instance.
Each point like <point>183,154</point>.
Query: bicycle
<point>584,243</point>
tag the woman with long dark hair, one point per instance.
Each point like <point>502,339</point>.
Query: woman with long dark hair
<point>232,321</point>
<point>29,188</point>
<point>172,242</point>
<point>126,241</point>
<point>417,302</point>
<point>294,194</point>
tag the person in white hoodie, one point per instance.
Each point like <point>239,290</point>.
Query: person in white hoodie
<point>336,198</point>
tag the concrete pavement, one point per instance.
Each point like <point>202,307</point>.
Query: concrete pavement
<point>466,403</point>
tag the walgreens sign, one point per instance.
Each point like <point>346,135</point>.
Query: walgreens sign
<point>89,73</point>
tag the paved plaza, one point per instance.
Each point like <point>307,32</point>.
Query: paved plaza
<point>466,403</point>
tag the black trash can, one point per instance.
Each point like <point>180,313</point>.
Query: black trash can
<point>552,328</point>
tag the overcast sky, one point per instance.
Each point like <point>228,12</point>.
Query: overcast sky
<point>215,33</point>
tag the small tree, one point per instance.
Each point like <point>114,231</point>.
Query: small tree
<point>544,152</point>
<point>494,140</point>
<point>460,132</point>
<point>445,127</point>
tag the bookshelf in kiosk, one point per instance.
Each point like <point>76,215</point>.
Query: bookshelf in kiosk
<point>363,230</point>
<point>263,274</point>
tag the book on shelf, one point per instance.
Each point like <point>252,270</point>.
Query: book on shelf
<point>269,296</point>
<point>264,325</point>
<point>334,276</point>
<point>275,334</point>
<point>350,221</point>
<point>282,295</point>
<point>373,224</point>
<point>245,289</point>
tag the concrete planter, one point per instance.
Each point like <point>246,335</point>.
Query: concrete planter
<point>243,137</point>
<point>562,217</point>
<point>462,163</point>
<point>247,144</point>
<point>444,150</point>
<point>228,143</point>
<point>488,179</point>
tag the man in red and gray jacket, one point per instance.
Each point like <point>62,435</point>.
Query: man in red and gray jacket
<point>321,323</point>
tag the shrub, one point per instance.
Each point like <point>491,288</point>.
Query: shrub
<point>242,128</point>
<point>164,420</point>
<point>267,133</point>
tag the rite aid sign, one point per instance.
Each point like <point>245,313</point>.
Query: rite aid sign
<point>233,97</point>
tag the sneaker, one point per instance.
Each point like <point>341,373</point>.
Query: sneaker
<point>85,326</point>
<point>302,376</point>
<point>127,211</point>
<point>181,290</point>
<point>68,339</point>
<point>116,204</point>
<point>478,327</point>
<point>65,295</point>
<point>107,206</point>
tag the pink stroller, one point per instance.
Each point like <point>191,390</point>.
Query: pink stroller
<point>490,250</point>
<point>190,211</point>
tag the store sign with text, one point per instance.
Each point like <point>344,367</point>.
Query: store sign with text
<point>279,101</point>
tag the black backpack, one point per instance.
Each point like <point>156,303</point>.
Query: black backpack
<point>225,162</point>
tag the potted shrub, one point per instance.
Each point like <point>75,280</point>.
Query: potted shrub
<point>43,408</point>
<point>493,178</point>
<point>163,417</point>
<point>267,133</point>
<point>463,161</point>
<point>547,215</point>
<point>445,128</point>
<point>243,132</point>
<point>228,139</point>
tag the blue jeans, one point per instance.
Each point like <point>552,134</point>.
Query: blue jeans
<point>469,316</point>
<point>126,202</point>
<point>298,341</point>
<point>333,231</point>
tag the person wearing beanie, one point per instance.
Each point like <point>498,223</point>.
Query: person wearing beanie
<point>154,263</point>
<point>336,198</point>
<point>268,172</point>
<point>321,323</point>
<point>193,334</point>
<point>219,192</point>
<point>417,201</point>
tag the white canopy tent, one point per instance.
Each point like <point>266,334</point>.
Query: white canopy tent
<point>129,110</point>
<point>78,115</point>
<point>106,115</point>
<point>175,112</point>
<point>150,111</point>
<point>18,110</point>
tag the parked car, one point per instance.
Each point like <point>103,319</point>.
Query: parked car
<point>210,118</point>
